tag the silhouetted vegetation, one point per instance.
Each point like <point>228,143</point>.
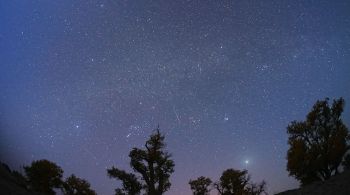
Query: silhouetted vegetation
<point>130,184</point>
<point>43,176</point>
<point>20,179</point>
<point>232,182</point>
<point>317,145</point>
<point>76,186</point>
<point>16,176</point>
<point>346,162</point>
<point>236,182</point>
<point>200,186</point>
<point>6,167</point>
<point>154,166</point>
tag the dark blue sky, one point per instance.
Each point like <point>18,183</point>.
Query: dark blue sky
<point>82,82</point>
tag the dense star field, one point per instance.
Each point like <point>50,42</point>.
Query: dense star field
<point>83,82</point>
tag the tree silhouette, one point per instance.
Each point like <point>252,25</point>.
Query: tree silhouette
<point>346,162</point>
<point>131,186</point>
<point>256,189</point>
<point>317,145</point>
<point>43,176</point>
<point>76,186</point>
<point>18,178</point>
<point>200,186</point>
<point>153,164</point>
<point>236,182</point>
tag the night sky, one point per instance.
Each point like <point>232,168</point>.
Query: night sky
<point>82,82</point>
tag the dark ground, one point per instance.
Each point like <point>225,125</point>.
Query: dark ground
<point>337,185</point>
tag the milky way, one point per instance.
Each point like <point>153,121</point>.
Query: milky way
<point>82,82</point>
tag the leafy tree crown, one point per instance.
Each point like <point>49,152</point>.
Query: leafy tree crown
<point>318,144</point>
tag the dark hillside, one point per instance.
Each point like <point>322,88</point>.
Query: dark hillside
<point>339,184</point>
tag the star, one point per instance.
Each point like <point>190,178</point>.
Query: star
<point>119,69</point>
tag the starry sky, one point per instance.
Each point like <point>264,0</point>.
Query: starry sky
<point>82,82</point>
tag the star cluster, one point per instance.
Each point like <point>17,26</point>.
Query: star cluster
<point>83,82</point>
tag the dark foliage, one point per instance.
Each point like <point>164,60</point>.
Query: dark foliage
<point>236,182</point>
<point>346,162</point>
<point>43,176</point>
<point>152,163</point>
<point>20,179</point>
<point>131,185</point>
<point>5,166</point>
<point>76,186</point>
<point>317,145</point>
<point>200,186</point>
